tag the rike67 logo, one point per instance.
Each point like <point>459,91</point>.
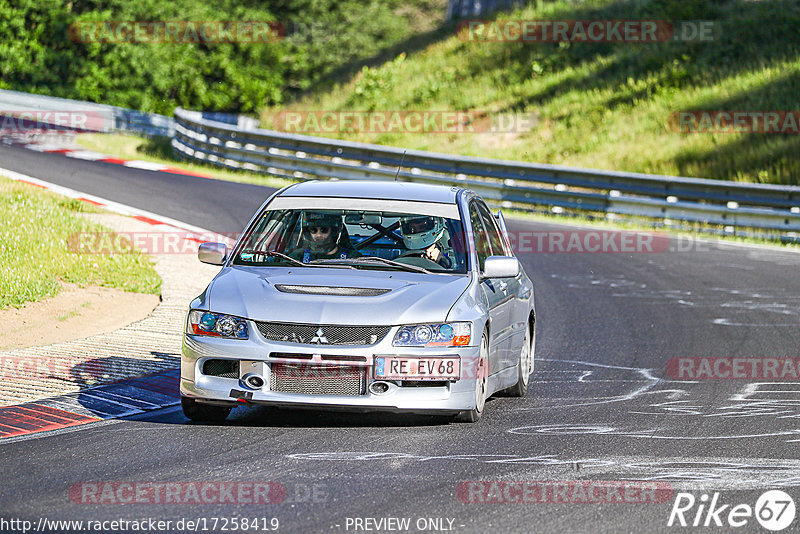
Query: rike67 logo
<point>774,510</point>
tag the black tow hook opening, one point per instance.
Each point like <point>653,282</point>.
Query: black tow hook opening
<point>241,396</point>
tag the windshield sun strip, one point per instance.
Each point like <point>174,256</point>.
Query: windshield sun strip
<point>374,261</point>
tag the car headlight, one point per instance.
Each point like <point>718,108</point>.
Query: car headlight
<point>433,335</point>
<point>203,323</point>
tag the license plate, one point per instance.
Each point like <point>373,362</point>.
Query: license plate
<point>403,368</point>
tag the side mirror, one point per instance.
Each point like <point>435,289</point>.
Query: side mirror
<point>213,253</point>
<point>500,267</point>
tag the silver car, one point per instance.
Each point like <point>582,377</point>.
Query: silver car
<point>362,296</point>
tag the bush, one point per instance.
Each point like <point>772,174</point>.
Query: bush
<point>37,55</point>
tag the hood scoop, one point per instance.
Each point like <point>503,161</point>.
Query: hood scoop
<point>330,290</point>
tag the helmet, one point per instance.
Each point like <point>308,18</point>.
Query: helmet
<point>421,231</point>
<point>320,232</point>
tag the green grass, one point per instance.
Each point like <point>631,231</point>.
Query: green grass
<point>158,150</point>
<point>34,230</point>
<point>604,105</point>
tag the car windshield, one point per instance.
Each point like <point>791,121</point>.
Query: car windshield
<point>361,239</point>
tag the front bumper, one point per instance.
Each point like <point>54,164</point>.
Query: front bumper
<point>446,397</point>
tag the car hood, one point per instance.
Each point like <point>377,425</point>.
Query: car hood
<point>261,294</point>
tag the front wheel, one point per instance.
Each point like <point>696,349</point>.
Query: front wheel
<point>204,412</point>
<point>481,381</point>
<point>524,366</point>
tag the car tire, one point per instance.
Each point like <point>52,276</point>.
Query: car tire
<point>204,412</point>
<point>524,365</point>
<point>481,384</point>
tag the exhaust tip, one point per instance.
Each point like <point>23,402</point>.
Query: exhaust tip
<point>379,388</point>
<point>253,381</point>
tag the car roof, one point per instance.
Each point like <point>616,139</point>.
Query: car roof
<point>375,190</point>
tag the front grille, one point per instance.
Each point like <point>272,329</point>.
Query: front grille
<point>223,368</point>
<point>333,358</point>
<point>291,355</point>
<point>329,290</point>
<point>316,334</point>
<point>318,379</point>
<point>344,358</point>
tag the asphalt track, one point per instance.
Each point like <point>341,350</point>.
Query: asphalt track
<point>601,406</point>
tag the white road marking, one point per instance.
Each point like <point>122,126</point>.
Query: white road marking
<point>87,155</point>
<point>146,165</point>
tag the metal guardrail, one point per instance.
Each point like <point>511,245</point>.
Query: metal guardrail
<point>773,208</point>
<point>234,142</point>
<point>104,118</point>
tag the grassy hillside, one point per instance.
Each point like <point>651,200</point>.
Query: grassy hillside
<point>602,105</point>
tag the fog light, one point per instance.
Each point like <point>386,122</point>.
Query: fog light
<point>253,381</point>
<point>379,388</point>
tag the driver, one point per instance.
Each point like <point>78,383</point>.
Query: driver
<point>322,236</point>
<point>421,235</point>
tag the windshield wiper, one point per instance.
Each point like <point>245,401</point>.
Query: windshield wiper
<point>281,255</point>
<point>375,259</point>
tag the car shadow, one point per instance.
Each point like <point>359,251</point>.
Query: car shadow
<point>254,416</point>
<point>268,416</point>
<point>117,385</point>
<point>274,417</point>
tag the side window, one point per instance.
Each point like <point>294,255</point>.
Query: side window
<point>495,237</point>
<point>270,233</point>
<point>479,236</point>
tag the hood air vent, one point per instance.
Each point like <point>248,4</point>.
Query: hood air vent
<point>328,290</point>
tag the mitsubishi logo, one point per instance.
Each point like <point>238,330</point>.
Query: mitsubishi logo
<point>319,337</point>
